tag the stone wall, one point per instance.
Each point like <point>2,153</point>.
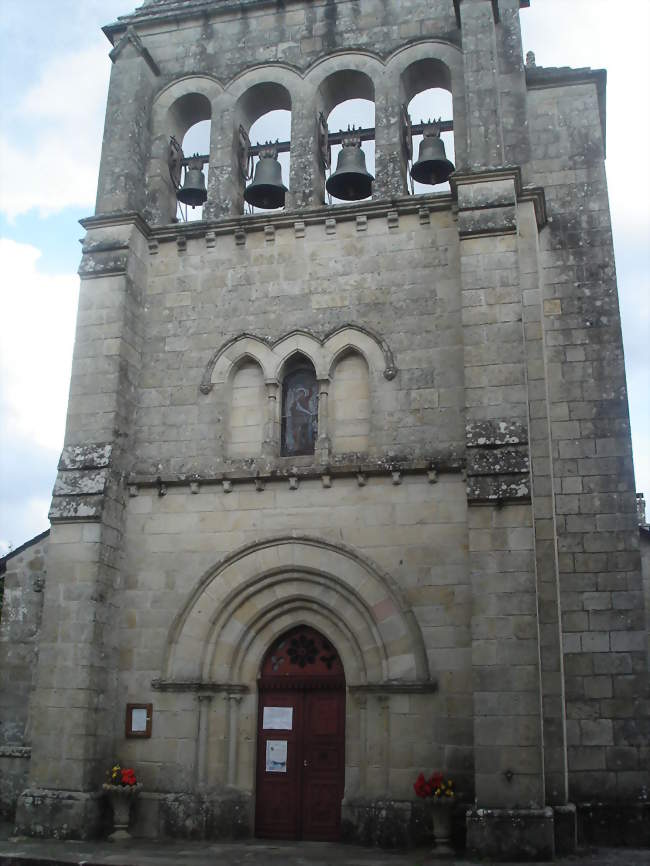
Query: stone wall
<point>398,280</point>
<point>603,619</point>
<point>414,530</point>
<point>645,570</point>
<point>24,572</point>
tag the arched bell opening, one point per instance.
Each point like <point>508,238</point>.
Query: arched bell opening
<point>196,141</point>
<point>426,95</point>
<point>181,129</point>
<point>300,776</point>
<point>347,100</point>
<point>262,146</point>
<point>271,133</point>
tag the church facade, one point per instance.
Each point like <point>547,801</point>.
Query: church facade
<point>347,489</point>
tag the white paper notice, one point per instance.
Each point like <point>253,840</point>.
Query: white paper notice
<point>138,720</point>
<point>278,718</point>
<point>276,756</point>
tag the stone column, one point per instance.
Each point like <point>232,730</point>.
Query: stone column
<point>484,132</point>
<point>362,702</point>
<point>390,167</point>
<point>225,186</point>
<point>511,79</point>
<point>122,173</point>
<point>75,704</point>
<point>307,177</point>
<point>271,437</point>
<point>509,768</point>
<point>384,709</point>
<point>546,551</point>
<point>323,444</point>
<point>204,702</point>
<point>234,700</point>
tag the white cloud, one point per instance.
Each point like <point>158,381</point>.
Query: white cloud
<point>50,162</point>
<point>38,315</point>
<point>600,34</point>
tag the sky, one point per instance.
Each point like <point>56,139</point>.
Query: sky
<point>54,70</point>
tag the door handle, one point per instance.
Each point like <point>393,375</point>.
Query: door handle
<point>304,763</point>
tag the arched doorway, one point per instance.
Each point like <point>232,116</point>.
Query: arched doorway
<point>300,739</point>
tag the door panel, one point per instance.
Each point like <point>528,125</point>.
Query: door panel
<point>323,764</point>
<point>277,812</point>
<point>301,799</point>
<point>305,801</point>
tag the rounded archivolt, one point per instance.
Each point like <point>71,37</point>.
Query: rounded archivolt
<point>244,602</point>
<point>322,353</point>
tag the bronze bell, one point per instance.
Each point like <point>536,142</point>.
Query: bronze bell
<point>267,190</point>
<point>432,166</point>
<point>193,191</point>
<point>350,181</point>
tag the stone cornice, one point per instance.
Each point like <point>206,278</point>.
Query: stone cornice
<point>487,175</point>
<point>285,469</point>
<point>10,751</point>
<point>199,686</point>
<point>117,218</point>
<point>294,218</point>
<point>534,194</point>
<point>176,11</point>
<point>387,687</point>
<point>404,205</point>
<point>179,10</point>
<point>396,687</point>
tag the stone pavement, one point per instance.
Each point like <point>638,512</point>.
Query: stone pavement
<point>139,852</point>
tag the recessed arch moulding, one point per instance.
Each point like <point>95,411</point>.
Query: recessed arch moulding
<point>220,638</point>
<point>272,359</point>
<point>240,605</point>
<point>328,82</point>
<point>323,354</point>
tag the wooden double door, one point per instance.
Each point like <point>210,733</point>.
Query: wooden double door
<point>300,755</point>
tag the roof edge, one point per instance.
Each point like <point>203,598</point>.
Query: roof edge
<point>4,559</point>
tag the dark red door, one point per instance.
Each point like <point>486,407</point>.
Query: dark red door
<point>323,750</point>
<point>301,739</point>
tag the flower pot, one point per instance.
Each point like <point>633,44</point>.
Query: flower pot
<point>121,798</point>
<point>443,809</point>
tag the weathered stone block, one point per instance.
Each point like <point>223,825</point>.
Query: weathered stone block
<point>86,456</point>
<point>511,834</point>
<point>60,814</point>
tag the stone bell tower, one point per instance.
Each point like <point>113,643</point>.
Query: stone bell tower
<point>347,489</point>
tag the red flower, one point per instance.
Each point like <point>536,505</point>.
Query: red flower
<point>128,776</point>
<point>436,780</point>
<point>422,787</point>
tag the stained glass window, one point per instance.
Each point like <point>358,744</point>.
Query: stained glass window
<point>299,412</point>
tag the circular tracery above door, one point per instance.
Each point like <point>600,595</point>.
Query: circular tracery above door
<point>300,655</point>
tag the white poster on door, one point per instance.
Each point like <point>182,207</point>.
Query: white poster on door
<point>276,756</point>
<point>278,718</point>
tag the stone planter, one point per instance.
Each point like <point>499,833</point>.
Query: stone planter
<point>121,798</point>
<point>442,813</point>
